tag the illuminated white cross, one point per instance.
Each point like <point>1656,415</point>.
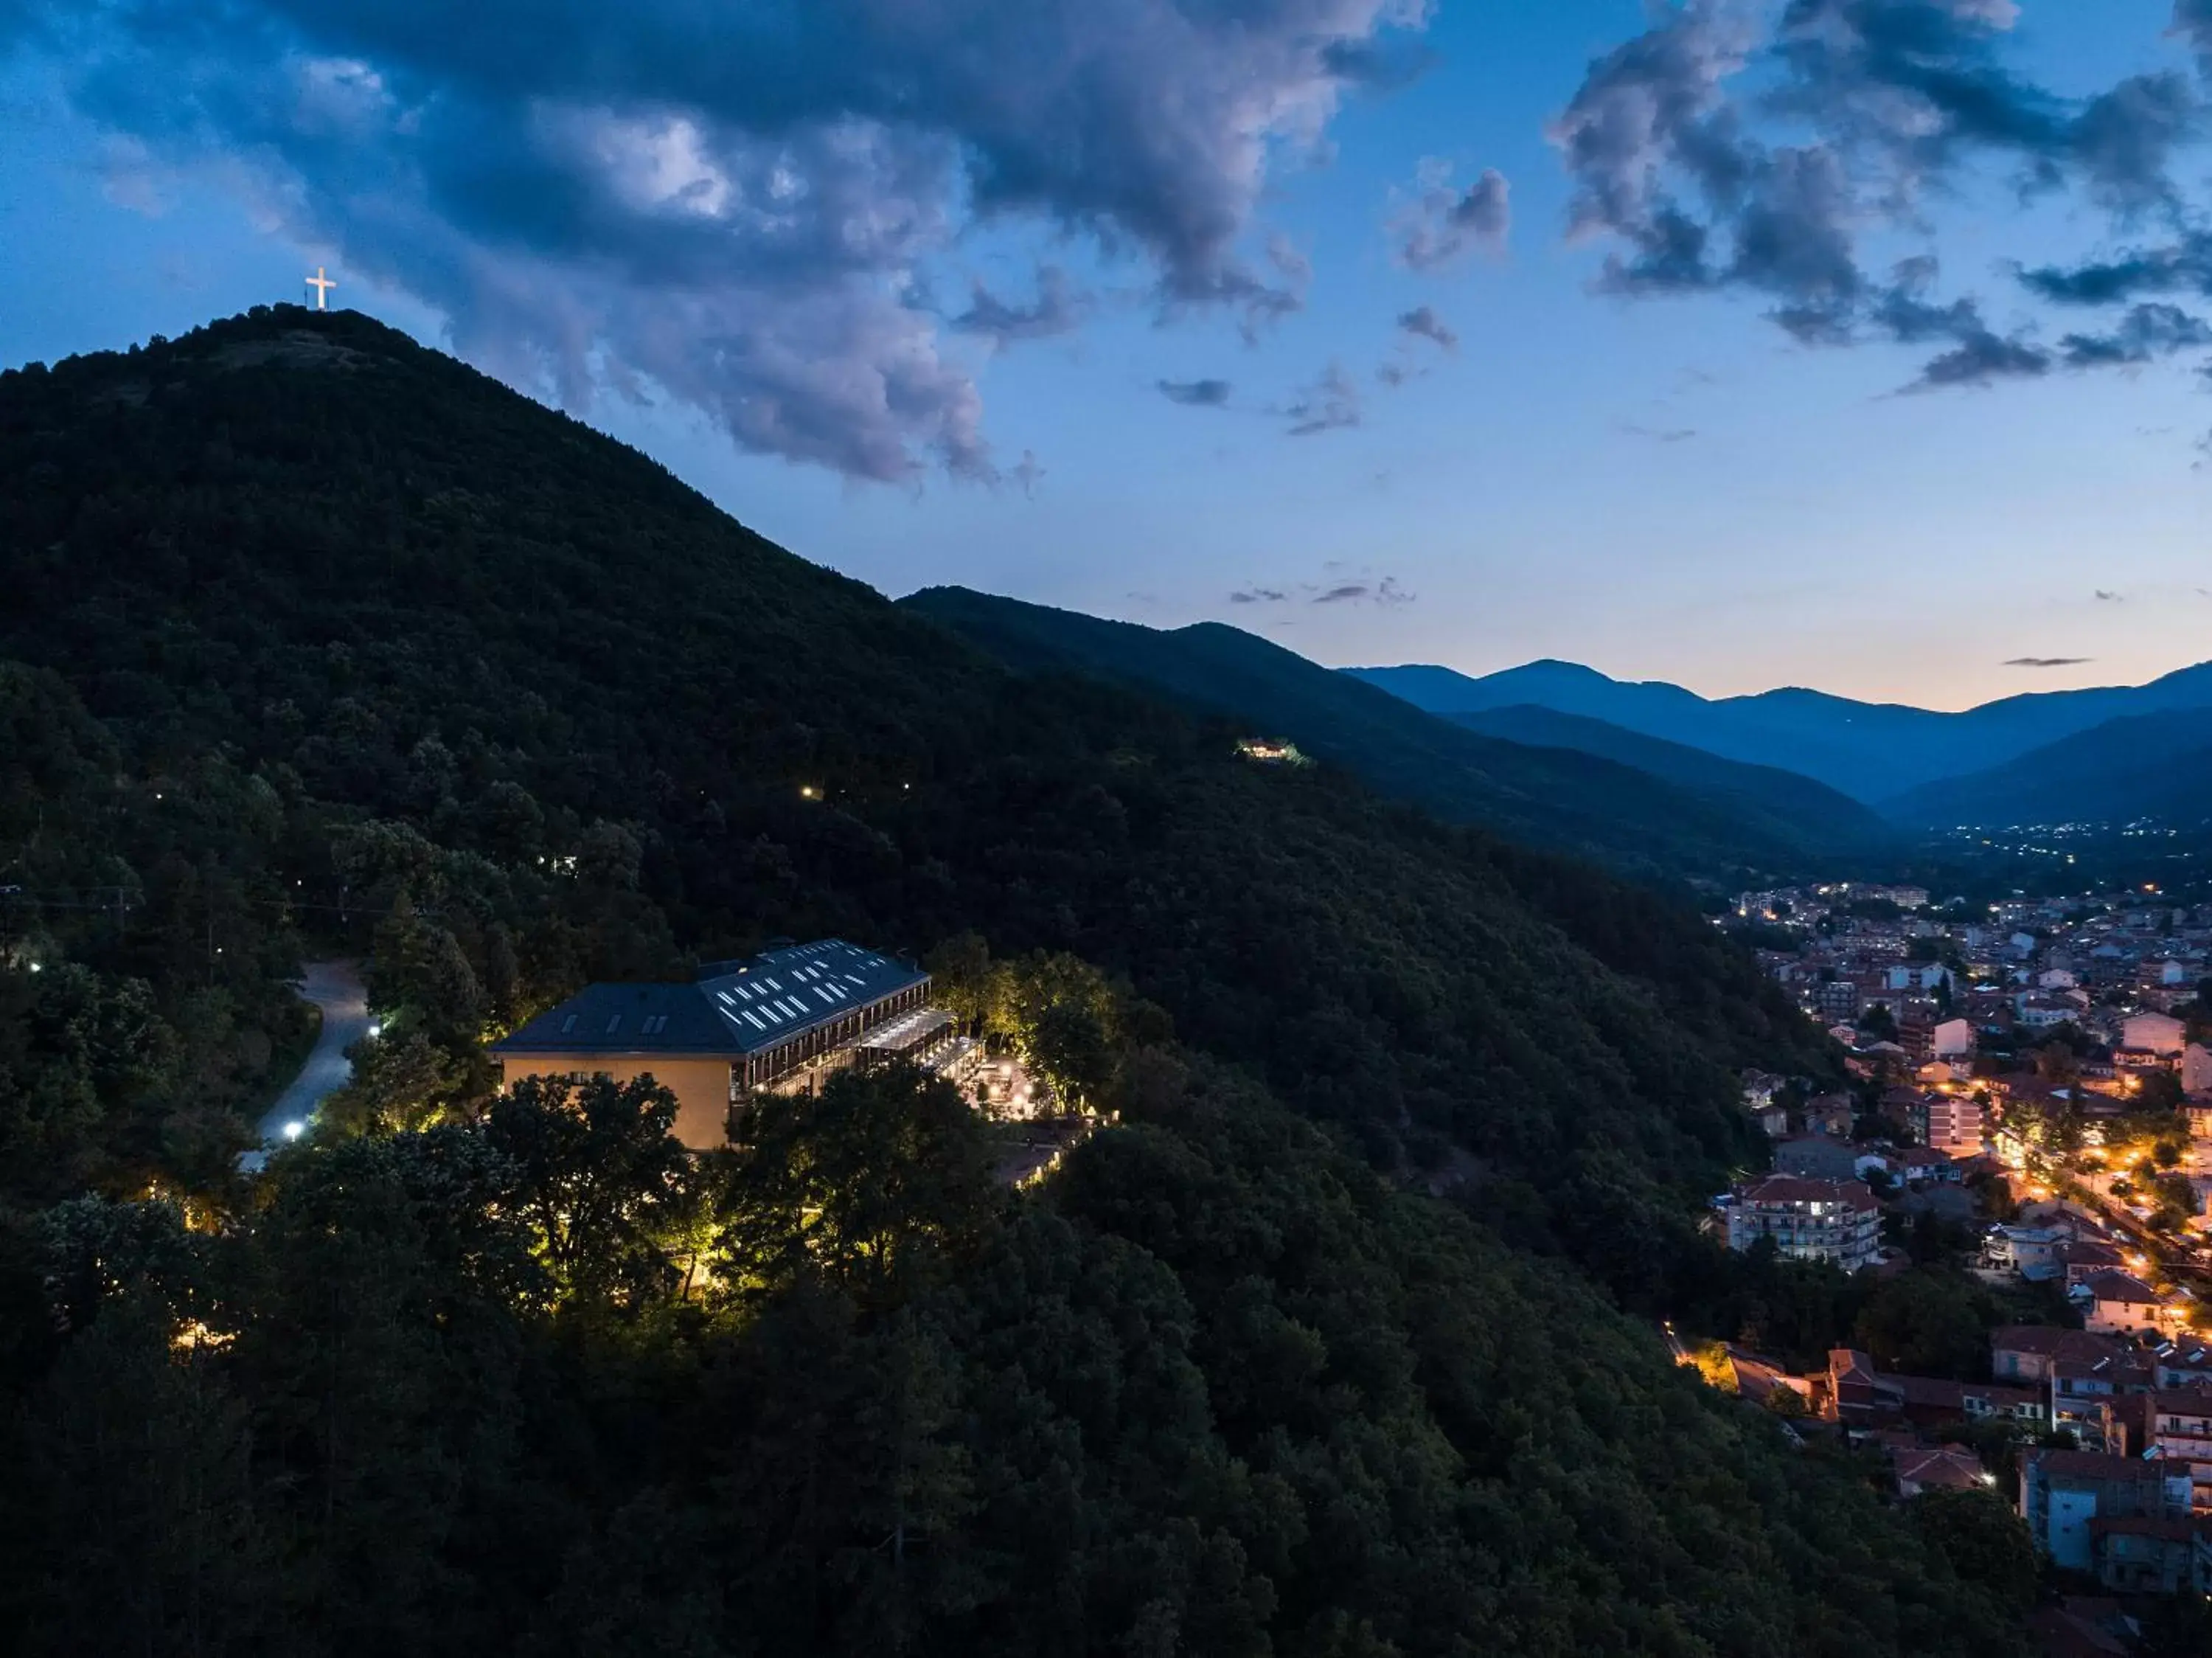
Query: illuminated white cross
<point>322,285</point>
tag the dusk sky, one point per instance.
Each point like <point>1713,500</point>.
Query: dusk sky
<point>1856,343</point>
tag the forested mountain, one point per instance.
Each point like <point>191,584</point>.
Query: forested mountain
<point>1871,751</point>
<point>1555,794</point>
<point>2149,765</point>
<point>1795,804</point>
<point>318,640</point>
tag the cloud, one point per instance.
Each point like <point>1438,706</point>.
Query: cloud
<point>2148,331</point>
<point>1441,222</point>
<point>1330,404</point>
<point>1195,393</point>
<point>2108,597</point>
<point>1339,586</point>
<point>743,206</point>
<point>1735,147</point>
<point>1059,308</point>
<point>2047,661</point>
<point>1025,474</point>
<point>1386,591</point>
<point>1658,433</point>
<point>1424,323</point>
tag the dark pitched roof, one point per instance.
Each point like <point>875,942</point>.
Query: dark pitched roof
<point>735,1008</point>
<point>2099,1464</point>
<point>2121,1287</point>
<point>2055,1341</point>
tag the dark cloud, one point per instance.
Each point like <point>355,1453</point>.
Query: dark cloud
<point>1195,393</point>
<point>1671,146</point>
<point>2109,597</point>
<point>1442,222</point>
<point>2148,331</point>
<point>741,204</point>
<point>1330,404</point>
<point>1257,596</point>
<point>1024,473</point>
<point>1384,591</point>
<point>2047,661</point>
<point>1059,308</point>
<point>1423,322</point>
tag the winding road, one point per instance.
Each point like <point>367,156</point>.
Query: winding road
<point>335,988</point>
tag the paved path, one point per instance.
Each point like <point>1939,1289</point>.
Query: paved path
<point>335,988</point>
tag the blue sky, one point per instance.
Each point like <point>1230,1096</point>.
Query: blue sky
<point>1663,486</point>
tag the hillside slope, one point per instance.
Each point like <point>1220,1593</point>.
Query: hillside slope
<point>2148,765</point>
<point>315,634</point>
<point>1871,751</point>
<point>1796,805</point>
<point>1550,795</point>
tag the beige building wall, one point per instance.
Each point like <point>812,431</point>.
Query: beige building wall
<point>702,1086</point>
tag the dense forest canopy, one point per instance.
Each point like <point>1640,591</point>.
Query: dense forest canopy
<point>321,643</point>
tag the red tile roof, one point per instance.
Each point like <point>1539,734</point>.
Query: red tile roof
<point>1802,1188</point>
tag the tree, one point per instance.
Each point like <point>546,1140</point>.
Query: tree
<point>873,1185</point>
<point>2159,1091</point>
<point>1925,1322</point>
<point>1980,1537</point>
<point>604,1185</point>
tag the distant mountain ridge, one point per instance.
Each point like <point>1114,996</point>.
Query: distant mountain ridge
<point>1699,814</point>
<point>1873,751</point>
<point>2142,766</point>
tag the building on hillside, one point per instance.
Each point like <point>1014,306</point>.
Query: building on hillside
<point>778,1023</point>
<point>1922,1468</point>
<point>2122,1304</point>
<point>1819,1156</point>
<point>2196,1069</point>
<point>2171,1424</point>
<point>2157,1033</point>
<point>1952,1039</point>
<point>1815,1220</point>
<point>2026,1353</point>
<point>1947,1121</point>
<point>2085,1258</point>
<point>2063,1493</point>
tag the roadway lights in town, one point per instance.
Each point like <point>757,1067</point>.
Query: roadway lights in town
<point>808,791</point>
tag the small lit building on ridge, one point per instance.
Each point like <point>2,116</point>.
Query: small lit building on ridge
<point>778,1023</point>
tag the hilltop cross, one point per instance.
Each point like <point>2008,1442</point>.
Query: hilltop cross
<point>322,285</point>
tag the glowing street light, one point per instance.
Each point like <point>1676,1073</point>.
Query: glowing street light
<point>295,1129</point>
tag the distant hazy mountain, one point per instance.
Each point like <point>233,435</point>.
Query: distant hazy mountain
<point>2147,765</point>
<point>1765,793</point>
<point>1871,751</point>
<point>1553,795</point>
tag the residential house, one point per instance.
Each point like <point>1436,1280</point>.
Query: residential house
<point>2026,1353</point>
<point>2030,1251</point>
<point>2122,1304</point>
<point>1819,1156</point>
<point>2084,1258</point>
<point>1952,1039</point>
<point>1923,1468</point>
<point>1948,1122</point>
<point>2063,1493</point>
<point>2196,1069</point>
<point>2079,1390</point>
<point>1817,1220</point>
<point>2156,1034</point>
<point>2172,1423</point>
